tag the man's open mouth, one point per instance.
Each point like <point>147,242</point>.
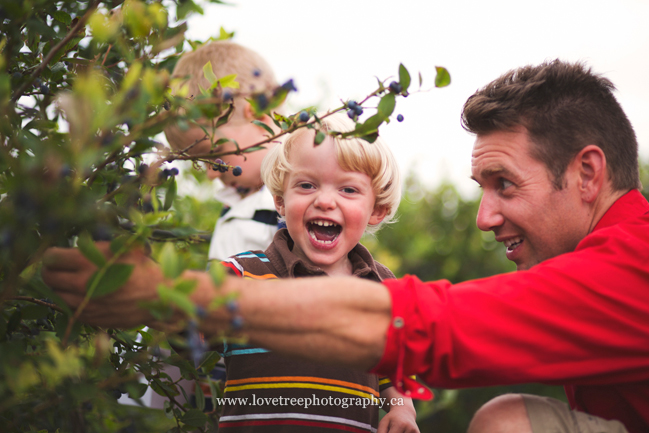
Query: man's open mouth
<point>513,243</point>
<point>323,231</point>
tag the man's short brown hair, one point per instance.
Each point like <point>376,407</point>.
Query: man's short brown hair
<point>564,107</point>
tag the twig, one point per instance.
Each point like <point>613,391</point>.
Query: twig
<point>73,32</point>
<point>36,301</point>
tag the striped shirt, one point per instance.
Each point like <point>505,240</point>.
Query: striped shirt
<point>287,395</point>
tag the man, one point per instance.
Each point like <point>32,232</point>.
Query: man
<point>557,161</point>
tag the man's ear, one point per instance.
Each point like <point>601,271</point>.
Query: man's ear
<point>378,214</point>
<point>279,205</point>
<point>590,164</point>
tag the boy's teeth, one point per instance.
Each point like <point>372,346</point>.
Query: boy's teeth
<point>324,223</point>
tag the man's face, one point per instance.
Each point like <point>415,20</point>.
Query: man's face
<point>519,203</point>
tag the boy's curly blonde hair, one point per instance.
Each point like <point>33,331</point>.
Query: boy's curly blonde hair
<point>354,154</point>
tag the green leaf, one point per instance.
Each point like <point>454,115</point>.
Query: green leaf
<point>115,277</point>
<point>404,77</point>
<point>178,299</point>
<point>171,194</point>
<point>443,78</point>
<point>386,105</point>
<point>229,81</point>
<point>200,397</point>
<point>194,418</point>
<point>89,250</point>
<point>264,126</point>
<point>319,137</point>
<point>218,272</point>
<point>170,261</point>
<point>186,286</point>
<point>209,361</point>
<point>209,73</point>
<point>223,35</point>
<point>136,390</point>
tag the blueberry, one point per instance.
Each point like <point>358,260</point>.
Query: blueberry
<point>166,105</point>
<point>352,104</point>
<point>289,86</point>
<point>395,87</point>
<point>6,238</point>
<point>65,170</point>
<point>142,168</point>
<point>237,323</point>
<point>358,110</point>
<point>232,306</point>
<point>44,89</point>
<point>262,101</point>
<point>16,75</point>
<point>174,171</point>
<point>399,118</point>
<point>101,233</point>
<point>115,393</point>
<point>237,171</point>
<point>304,116</point>
<point>163,174</point>
<point>256,72</point>
<point>227,96</point>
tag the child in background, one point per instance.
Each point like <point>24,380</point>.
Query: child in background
<point>249,219</point>
<point>329,195</point>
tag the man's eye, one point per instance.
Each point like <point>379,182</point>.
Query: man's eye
<point>506,184</point>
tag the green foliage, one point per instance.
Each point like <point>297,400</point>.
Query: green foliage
<point>436,238</point>
<point>84,92</point>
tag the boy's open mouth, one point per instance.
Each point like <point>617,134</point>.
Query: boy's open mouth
<point>323,231</point>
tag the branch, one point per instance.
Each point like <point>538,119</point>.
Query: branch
<point>73,32</point>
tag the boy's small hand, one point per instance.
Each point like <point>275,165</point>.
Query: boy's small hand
<point>400,419</point>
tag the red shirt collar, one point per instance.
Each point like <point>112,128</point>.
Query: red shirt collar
<point>630,205</point>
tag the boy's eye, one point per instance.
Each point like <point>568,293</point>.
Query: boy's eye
<point>305,186</point>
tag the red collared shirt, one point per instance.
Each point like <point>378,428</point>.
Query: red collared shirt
<point>580,320</point>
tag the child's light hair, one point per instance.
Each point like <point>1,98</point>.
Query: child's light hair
<point>254,75</point>
<point>354,154</point>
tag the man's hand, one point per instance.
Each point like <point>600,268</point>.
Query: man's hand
<point>67,271</point>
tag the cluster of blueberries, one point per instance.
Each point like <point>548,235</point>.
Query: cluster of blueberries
<point>354,109</point>
<point>221,166</point>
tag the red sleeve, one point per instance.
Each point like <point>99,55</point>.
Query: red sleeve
<point>580,318</point>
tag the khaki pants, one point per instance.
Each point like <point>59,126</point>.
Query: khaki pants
<point>548,415</point>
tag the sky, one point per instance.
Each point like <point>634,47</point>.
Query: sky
<point>335,50</point>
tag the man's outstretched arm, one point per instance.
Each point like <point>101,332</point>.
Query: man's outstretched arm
<point>335,320</point>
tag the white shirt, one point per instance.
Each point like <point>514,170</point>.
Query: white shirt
<point>237,231</point>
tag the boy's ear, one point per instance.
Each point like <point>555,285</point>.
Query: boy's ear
<point>279,205</point>
<point>378,214</point>
<point>249,115</point>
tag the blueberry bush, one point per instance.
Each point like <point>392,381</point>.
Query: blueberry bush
<point>84,94</point>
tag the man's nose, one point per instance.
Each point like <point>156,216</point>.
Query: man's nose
<point>489,214</point>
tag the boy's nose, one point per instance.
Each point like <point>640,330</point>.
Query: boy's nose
<point>325,201</point>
